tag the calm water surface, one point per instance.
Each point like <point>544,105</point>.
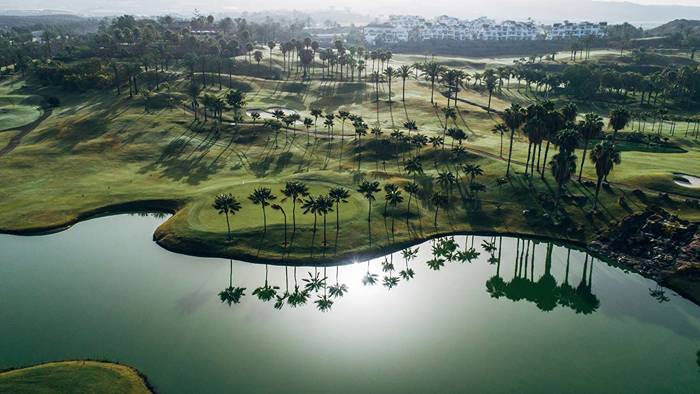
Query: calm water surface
<point>541,318</point>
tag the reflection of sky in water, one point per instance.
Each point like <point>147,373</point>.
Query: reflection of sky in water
<point>104,290</point>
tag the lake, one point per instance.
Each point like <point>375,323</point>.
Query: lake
<point>477,314</point>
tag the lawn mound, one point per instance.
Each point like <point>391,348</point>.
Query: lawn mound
<point>74,377</point>
<point>658,245</point>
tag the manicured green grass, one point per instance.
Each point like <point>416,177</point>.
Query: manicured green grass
<point>17,109</point>
<point>98,150</point>
<point>73,377</point>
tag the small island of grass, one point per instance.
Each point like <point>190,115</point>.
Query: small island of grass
<point>74,377</point>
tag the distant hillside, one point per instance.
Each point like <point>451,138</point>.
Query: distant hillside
<point>684,26</point>
<point>66,22</point>
<point>32,20</point>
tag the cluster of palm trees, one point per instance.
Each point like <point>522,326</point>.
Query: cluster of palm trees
<point>338,62</point>
<point>214,106</point>
<point>543,124</point>
<point>322,205</point>
<point>296,192</point>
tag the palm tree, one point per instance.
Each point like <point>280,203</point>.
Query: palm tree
<point>266,292</point>
<point>227,203</point>
<point>231,294</point>
<point>408,255</point>
<point>432,70</point>
<point>501,129</point>
<point>513,117</point>
<point>316,113</point>
<point>271,45</point>
<point>413,167</point>
<point>389,73</point>
<point>604,155</point>
<point>308,122</point>
<point>324,205</point>
<point>295,191</point>
<point>343,116</point>
<point>449,113</point>
<point>437,142</point>
<point>404,72</point>
<point>278,207</point>
<point>394,198</point>
<point>193,90</point>
<point>473,170</point>
<point>338,194</point>
<point>258,56</point>
<point>591,126</point>
<point>367,189</point>
<point>278,114</point>
<point>490,80</point>
<point>563,167</point>
<point>388,189</point>
<point>339,289</point>
<point>236,99</point>
<point>439,201</point>
<point>410,125</point>
<point>310,205</point>
<point>328,123</point>
<point>569,112</point>
<point>446,180</point>
<point>619,117</point>
<point>262,196</point>
<point>457,135</point>
<point>360,130</point>
<point>412,189</point>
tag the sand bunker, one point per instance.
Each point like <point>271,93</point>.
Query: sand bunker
<point>686,180</point>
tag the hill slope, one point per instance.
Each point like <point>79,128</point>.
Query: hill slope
<point>684,26</point>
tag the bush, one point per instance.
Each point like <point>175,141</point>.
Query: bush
<point>53,102</point>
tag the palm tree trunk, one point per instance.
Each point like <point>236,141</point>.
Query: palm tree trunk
<point>337,216</point>
<point>501,150</point>
<point>546,152</point>
<point>264,219</point>
<point>583,160</point>
<point>435,218</point>
<point>510,151</point>
<point>408,208</point>
<point>529,149</point>
<point>228,226</point>
<point>597,190</point>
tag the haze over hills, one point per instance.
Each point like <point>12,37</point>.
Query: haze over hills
<point>646,15</point>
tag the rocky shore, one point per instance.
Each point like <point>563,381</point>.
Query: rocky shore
<point>658,245</point>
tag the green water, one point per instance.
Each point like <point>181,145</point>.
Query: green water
<point>104,290</point>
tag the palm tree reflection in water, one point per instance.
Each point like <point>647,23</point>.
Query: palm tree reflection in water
<point>547,292</point>
<point>231,295</point>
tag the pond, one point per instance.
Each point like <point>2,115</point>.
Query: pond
<point>508,315</point>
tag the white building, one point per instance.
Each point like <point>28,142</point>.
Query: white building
<point>569,30</point>
<point>401,28</point>
<point>384,32</point>
<point>508,30</point>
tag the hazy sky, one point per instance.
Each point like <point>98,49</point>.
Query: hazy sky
<point>555,9</point>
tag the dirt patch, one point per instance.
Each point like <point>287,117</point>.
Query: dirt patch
<point>658,245</point>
